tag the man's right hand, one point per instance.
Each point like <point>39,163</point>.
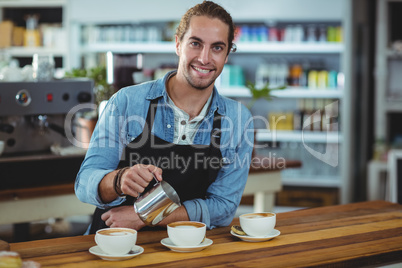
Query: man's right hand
<point>133,181</point>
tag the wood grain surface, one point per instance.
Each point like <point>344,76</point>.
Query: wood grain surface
<point>4,245</point>
<point>353,235</point>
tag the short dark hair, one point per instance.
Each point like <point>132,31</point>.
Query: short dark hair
<point>211,10</point>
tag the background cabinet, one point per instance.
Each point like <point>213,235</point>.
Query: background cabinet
<point>81,17</point>
<point>52,26</point>
<point>388,73</point>
<point>290,144</point>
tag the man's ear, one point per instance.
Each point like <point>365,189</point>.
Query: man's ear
<point>177,46</point>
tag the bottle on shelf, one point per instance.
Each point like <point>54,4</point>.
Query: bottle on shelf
<point>298,116</point>
<point>322,79</point>
<point>332,110</point>
<point>295,73</point>
<point>308,115</point>
<point>311,33</point>
<point>275,72</point>
<point>273,32</point>
<point>303,80</point>
<point>262,74</point>
<point>283,73</point>
<point>332,79</point>
<point>317,115</point>
<point>280,121</point>
<point>312,79</point>
<point>322,33</point>
<point>32,35</point>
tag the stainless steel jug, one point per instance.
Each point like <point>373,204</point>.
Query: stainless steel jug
<point>157,203</point>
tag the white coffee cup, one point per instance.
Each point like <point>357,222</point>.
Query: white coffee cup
<point>258,224</point>
<point>186,233</point>
<point>116,241</point>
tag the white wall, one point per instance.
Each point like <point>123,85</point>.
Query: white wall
<point>153,10</point>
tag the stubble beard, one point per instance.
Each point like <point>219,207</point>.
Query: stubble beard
<point>200,85</point>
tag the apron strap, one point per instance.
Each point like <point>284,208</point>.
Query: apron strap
<point>216,126</point>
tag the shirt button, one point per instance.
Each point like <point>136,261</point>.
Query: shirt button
<point>183,137</point>
<point>225,160</point>
<point>168,126</point>
<point>183,122</point>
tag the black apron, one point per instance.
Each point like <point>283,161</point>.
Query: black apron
<point>191,181</point>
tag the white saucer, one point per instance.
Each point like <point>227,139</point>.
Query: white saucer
<point>248,238</point>
<point>136,250</point>
<point>168,243</point>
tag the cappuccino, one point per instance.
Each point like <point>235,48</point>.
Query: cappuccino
<point>116,241</point>
<point>258,224</point>
<point>186,233</point>
<point>187,224</point>
<point>115,232</point>
<point>258,215</point>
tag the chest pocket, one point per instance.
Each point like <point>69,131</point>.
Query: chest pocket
<point>228,156</point>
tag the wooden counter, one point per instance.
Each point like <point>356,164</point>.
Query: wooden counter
<point>353,235</point>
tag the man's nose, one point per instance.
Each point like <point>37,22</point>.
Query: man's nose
<point>205,55</point>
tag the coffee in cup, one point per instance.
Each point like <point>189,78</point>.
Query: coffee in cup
<point>258,224</point>
<point>116,241</point>
<point>186,233</point>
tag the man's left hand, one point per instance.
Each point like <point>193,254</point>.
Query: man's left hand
<point>123,216</point>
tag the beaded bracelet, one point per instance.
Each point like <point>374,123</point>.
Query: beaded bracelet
<point>117,181</point>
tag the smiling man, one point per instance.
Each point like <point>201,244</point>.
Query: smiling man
<point>178,129</point>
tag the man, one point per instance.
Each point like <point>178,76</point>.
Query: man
<point>200,142</point>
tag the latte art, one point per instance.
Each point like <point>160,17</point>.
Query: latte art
<point>185,227</point>
<point>120,233</point>
<point>258,224</point>
<point>116,241</point>
<point>115,233</point>
<point>258,215</point>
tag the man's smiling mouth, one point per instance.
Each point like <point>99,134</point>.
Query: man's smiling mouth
<point>204,71</point>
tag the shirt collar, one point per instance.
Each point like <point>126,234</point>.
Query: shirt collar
<point>199,117</point>
<point>158,90</point>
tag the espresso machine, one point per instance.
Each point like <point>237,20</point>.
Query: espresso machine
<point>32,119</point>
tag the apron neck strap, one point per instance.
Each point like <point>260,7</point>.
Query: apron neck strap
<point>216,127</point>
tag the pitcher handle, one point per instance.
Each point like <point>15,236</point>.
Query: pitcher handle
<point>156,183</point>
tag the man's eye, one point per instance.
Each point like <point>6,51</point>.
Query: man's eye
<point>195,44</point>
<point>218,48</point>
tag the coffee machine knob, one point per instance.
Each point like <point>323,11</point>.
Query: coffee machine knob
<point>23,97</point>
<point>84,97</point>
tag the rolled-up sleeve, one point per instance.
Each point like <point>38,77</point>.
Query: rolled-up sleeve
<point>102,157</point>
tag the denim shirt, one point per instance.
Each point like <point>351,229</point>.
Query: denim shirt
<point>123,119</point>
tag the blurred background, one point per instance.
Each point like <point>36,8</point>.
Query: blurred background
<point>331,70</point>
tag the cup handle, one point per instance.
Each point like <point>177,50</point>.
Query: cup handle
<point>96,240</point>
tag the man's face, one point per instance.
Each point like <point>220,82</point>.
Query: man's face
<point>203,51</point>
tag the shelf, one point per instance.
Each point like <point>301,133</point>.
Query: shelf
<point>32,3</point>
<point>332,55</point>
<point>169,47</point>
<point>292,92</point>
<point>394,106</point>
<point>264,135</point>
<point>393,54</point>
<point>145,47</point>
<point>280,47</point>
<point>29,51</point>
<point>311,181</point>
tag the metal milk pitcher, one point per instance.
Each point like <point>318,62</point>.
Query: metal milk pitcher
<point>157,203</point>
